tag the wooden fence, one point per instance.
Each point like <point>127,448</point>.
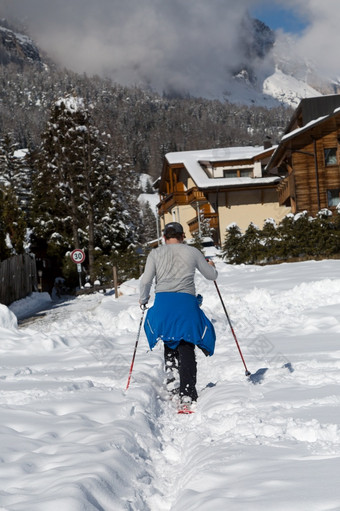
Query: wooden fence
<point>18,278</point>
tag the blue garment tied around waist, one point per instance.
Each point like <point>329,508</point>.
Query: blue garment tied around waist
<point>175,317</point>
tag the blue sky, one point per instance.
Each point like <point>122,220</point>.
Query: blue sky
<point>279,17</point>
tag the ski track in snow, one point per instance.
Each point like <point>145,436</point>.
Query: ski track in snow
<point>71,436</point>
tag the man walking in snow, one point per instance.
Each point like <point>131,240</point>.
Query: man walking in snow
<point>176,317</point>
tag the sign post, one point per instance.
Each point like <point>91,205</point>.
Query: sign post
<point>78,257</point>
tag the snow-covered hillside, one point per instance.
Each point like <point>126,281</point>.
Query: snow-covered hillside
<point>287,89</point>
<point>294,77</point>
<point>16,47</point>
<point>72,438</point>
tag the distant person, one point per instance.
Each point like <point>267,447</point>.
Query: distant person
<point>176,317</point>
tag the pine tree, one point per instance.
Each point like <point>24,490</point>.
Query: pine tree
<point>9,164</point>
<point>4,251</point>
<point>13,224</point>
<point>149,223</point>
<point>251,244</point>
<point>14,171</point>
<point>286,246</point>
<point>127,190</point>
<point>303,242</point>
<point>336,235</point>
<point>269,240</point>
<point>232,249</point>
<point>205,231</point>
<point>79,198</point>
<point>324,236</point>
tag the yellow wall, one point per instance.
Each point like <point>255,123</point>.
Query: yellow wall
<point>241,207</point>
<point>245,207</point>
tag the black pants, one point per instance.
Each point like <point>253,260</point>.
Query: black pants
<point>183,358</point>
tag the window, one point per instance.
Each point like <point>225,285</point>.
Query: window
<point>230,173</point>
<point>238,173</point>
<point>333,197</point>
<point>330,156</point>
<point>246,173</point>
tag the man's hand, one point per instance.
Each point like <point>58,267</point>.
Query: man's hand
<point>142,304</point>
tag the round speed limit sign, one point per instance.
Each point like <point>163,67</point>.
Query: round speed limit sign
<point>78,256</point>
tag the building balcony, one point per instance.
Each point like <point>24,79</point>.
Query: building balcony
<point>172,200</point>
<point>195,195</point>
<point>181,199</point>
<point>286,189</point>
<point>213,221</point>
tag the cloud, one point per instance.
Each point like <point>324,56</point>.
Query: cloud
<point>321,40</point>
<point>318,44</point>
<point>184,45</point>
<point>172,44</point>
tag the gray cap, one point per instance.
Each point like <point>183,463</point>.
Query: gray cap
<point>175,226</point>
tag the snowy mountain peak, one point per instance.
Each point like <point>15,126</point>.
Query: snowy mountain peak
<point>272,73</point>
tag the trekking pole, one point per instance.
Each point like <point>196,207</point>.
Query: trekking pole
<point>143,307</point>
<point>248,373</point>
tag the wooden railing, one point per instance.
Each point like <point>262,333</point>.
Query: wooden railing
<point>195,195</point>
<point>171,200</point>
<point>180,199</point>
<point>213,221</point>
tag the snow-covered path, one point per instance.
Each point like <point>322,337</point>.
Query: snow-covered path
<point>71,436</point>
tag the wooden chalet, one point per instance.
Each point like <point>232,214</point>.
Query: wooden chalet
<point>308,157</point>
<point>227,185</point>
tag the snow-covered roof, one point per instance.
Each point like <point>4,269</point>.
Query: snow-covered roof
<point>306,127</point>
<point>298,131</point>
<point>193,160</point>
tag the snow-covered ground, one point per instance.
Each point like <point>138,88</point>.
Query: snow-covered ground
<point>72,437</point>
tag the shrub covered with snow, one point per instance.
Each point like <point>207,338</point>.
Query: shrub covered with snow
<point>297,236</point>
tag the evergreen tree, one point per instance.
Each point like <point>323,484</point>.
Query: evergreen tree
<point>324,236</point>
<point>149,223</point>
<point>252,247</point>
<point>286,246</point>
<point>13,225</point>
<point>14,171</point>
<point>232,249</point>
<point>303,242</point>
<point>269,240</point>
<point>79,198</point>
<point>4,251</point>
<point>9,164</point>
<point>205,231</point>
<point>197,240</point>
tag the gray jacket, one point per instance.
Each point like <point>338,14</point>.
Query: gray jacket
<point>174,267</point>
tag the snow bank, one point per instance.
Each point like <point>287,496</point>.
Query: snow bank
<point>8,320</point>
<point>130,287</point>
<point>32,303</point>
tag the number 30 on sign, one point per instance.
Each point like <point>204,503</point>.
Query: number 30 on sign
<point>78,256</point>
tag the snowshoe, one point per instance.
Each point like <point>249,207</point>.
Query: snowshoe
<point>186,406</point>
